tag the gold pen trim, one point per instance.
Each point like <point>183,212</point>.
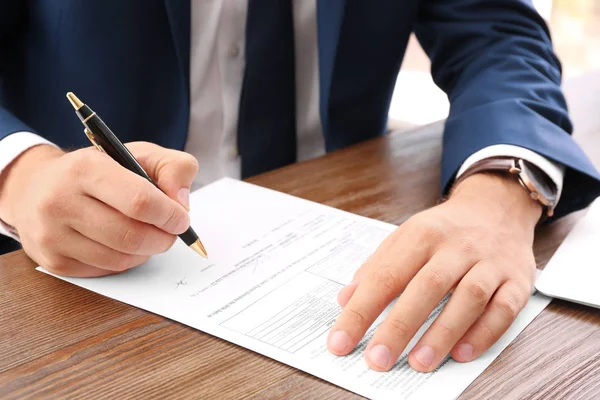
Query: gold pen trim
<point>75,102</point>
<point>198,247</point>
<point>90,116</point>
<point>90,136</point>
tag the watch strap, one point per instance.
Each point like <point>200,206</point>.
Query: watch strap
<point>510,165</point>
<point>495,164</point>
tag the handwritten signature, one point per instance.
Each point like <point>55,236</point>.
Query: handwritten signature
<point>182,282</point>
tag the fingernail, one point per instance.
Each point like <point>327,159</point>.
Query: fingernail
<point>425,356</point>
<point>338,341</point>
<point>184,197</point>
<point>380,356</point>
<point>183,225</point>
<point>465,351</point>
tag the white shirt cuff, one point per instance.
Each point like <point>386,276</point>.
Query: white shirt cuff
<point>555,171</point>
<point>11,147</point>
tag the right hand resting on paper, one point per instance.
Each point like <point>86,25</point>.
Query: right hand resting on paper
<point>82,214</point>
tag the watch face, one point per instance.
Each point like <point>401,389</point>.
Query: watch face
<point>538,181</point>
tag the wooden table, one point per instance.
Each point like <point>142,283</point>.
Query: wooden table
<point>58,340</point>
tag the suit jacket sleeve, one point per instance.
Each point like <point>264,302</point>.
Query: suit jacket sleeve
<point>494,59</point>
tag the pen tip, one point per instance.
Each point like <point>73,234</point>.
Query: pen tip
<point>198,247</point>
<point>75,102</point>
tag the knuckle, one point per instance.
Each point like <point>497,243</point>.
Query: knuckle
<point>479,291</point>
<point>398,327</point>
<point>487,333</point>
<point>173,219</point>
<point>446,331</point>
<point>122,262</point>
<point>508,306</point>
<point>355,318</point>
<point>468,245</point>
<point>45,238</point>
<point>78,163</point>
<point>49,237</point>
<point>49,204</point>
<point>522,290</point>
<point>385,279</point>
<point>432,230</point>
<point>57,265</point>
<point>132,239</point>
<point>521,296</point>
<point>140,203</point>
<point>436,280</point>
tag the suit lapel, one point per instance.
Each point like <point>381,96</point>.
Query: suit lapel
<point>330,14</point>
<point>179,14</point>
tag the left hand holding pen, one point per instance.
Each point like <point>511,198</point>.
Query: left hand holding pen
<point>478,245</point>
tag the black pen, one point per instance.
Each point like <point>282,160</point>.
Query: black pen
<point>106,141</point>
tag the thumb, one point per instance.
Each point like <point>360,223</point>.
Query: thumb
<point>172,170</point>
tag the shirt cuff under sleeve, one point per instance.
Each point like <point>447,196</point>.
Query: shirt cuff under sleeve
<point>11,147</point>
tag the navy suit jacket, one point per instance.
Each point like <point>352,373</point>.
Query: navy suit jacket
<point>493,58</point>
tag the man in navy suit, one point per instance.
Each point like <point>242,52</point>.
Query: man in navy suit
<point>208,89</point>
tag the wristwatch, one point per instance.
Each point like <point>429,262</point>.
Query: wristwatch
<point>536,182</point>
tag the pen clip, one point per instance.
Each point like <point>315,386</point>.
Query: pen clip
<point>90,136</point>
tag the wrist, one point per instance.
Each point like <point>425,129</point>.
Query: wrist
<point>16,177</point>
<point>502,196</point>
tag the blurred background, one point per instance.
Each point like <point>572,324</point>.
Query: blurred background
<point>575,30</point>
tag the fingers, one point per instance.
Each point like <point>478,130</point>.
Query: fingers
<point>132,195</point>
<point>73,268</point>
<point>173,171</point>
<point>420,297</point>
<point>60,264</point>
<point>346,293</point>
<point>384,275</point>
<point>89,216</point>
<point>370,265</point>
<point>107,226</point>
<point>506,304</point>
<point>85,251</point>
<point>462,310</point>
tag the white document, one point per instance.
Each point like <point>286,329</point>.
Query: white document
<point>276,264</point>
<point>573,272</point>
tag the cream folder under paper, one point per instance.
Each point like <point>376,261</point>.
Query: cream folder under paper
<point>276,264</point>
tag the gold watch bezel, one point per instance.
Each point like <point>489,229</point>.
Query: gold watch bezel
<point>517,168</point>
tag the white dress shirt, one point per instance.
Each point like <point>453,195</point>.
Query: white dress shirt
<point>216,75</point>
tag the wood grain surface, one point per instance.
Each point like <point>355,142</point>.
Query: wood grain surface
<point>61,341</point>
